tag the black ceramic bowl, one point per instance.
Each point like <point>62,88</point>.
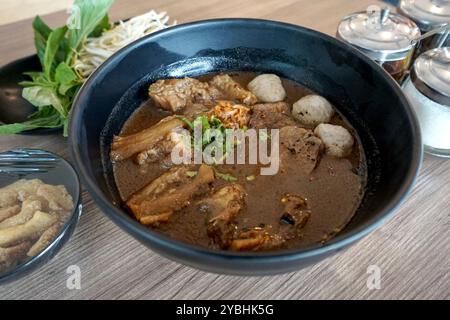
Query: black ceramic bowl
<point>361,90</point>
<point>13,107</point>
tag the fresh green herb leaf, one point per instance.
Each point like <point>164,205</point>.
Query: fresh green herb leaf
<point>203,121</point>
<point>53,44</point>
<point>101,27</point>
<point>189,123</point>
<point>215,122</point>
<point>67,78</point>
<point>41,33</point>
<point>191,174</point>
<point>38,79</point>
<point>65,74</point>
<point>35,75</point>
<point>54,88</point>
<point>41,27</point>
<point>89,14</point>
<point>207,137</point>
<point>46,117</point>
<point>68,88</point>
<point>66,127</point>
<point>212,128</point>
<point>42,97</point>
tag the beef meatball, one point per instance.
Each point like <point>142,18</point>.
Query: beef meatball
<point>338,140</point>
<point>312,110</point>
<point>267,88</point>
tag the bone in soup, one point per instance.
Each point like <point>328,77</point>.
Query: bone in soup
<point>318,187</point>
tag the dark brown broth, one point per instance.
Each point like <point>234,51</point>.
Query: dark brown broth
<point>334,189</point>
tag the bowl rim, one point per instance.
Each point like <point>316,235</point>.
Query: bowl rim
<point>139,231</point>
<point>28,265</point>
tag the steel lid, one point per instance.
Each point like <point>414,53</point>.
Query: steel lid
<point>428,14</point>
<point>382,35</point>
<point>431,75</point>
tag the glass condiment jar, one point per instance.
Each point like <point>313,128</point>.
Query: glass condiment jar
<point>384,36</point>
<point>428,90</point>
<point>428,15</point>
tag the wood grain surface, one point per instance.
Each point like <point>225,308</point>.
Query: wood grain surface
<point>12,11</point>
<point>412,250</point>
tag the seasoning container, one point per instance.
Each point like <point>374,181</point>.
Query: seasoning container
<point>428,15</point>
<point>384,36</point>
<point>428,90</point>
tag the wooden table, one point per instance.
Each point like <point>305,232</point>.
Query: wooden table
<point>412,249</point>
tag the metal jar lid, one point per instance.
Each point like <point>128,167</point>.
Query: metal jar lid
<point>431,75</point>
<point>428,14</point>
<point>382,35</point>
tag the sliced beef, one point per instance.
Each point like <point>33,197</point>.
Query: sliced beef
<point>299,150</point>
<point>179,95</point>
<point>221,208</point>
<point>233,90</point>
<point>161,151</point>
<point>169,193</point>
<point>271,116</point>
<point>175,94</point>
<point>125,147</point>
<point>194,110</point>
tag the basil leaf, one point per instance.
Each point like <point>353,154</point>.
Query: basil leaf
<point>66,77</point>
<point>53,89</point>
<point>41,33</point>
<point>65,74</point>
<point>87,15</point>
<point>42,96</point>
<point>35,75</point>
<point>46,117</point>
<point>53,43</point>
<point>65,88</point>
<point>103,25</point>
<point>38,79</point>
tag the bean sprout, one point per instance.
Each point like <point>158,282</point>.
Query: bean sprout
<point>96,50</point>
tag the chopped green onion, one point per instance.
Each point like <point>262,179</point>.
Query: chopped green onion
<point>191,174</point>
<point>190,124</point>
<point>225,176</point>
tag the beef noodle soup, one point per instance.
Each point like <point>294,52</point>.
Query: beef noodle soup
<point>316,190</point>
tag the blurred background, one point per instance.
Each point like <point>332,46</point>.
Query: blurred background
<point>11,11</point>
